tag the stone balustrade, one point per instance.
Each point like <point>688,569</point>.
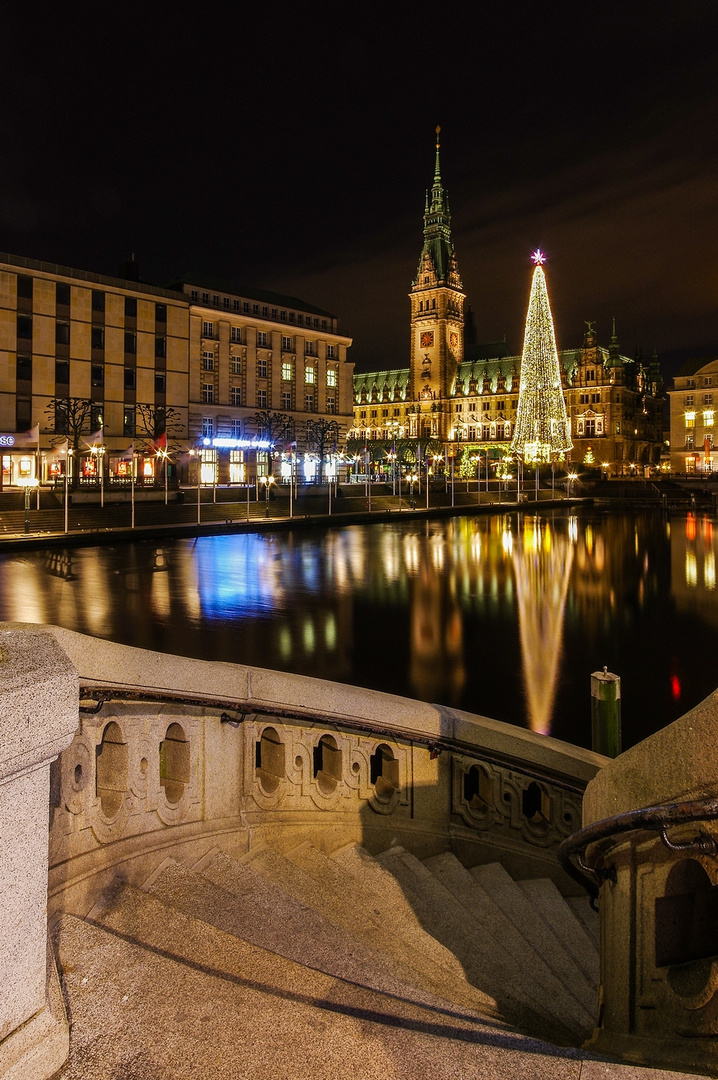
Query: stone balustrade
<point>180,756</point>
<point>659,918</point>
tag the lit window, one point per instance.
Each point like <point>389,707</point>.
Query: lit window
<point>690,419</point>
<point>708,418</point>
<point>331,377</point>
<point>287,372</point>
<point>309,374</point>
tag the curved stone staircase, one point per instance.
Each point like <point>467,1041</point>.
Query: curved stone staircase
<point>305,965</point>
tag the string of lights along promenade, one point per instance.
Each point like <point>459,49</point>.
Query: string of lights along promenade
<point>542,431</point>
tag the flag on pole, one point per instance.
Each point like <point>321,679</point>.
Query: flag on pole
<point>28,438</point>
<point>126,455</point>
<point>95,439</point>
<point>60,449</point>
<point>158,444</point>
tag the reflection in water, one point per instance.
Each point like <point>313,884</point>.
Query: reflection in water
<point>450,612</point>
<point>542,560</point>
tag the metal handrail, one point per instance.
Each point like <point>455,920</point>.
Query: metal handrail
<point>234,711</point>
<point>656,818</point>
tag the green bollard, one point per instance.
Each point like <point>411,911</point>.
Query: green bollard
<point>606,713</point>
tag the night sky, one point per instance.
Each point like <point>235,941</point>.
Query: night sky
<point>292,153</point>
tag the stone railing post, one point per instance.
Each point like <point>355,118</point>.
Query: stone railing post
<point>38,718</point>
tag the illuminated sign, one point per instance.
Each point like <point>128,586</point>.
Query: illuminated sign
<point>7,440</point>
<point>238,444</point>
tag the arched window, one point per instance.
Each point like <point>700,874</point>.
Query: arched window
<point>174,763</point>
<point>112,770</point>
<point>327,764</point>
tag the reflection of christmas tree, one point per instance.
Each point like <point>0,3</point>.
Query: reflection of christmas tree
<point>542,562</point>
<point>542,429</point>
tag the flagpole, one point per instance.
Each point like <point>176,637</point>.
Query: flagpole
<point>132,493</point>
<point>66,465</point>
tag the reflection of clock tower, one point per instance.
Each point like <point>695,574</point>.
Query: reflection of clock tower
<point>437,316</point>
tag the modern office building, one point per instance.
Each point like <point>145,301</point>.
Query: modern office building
<point>102,375</point>
<point>264,369</point>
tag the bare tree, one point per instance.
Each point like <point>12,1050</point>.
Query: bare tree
<point>273,426</point>
<point>70,416</point>
<point>321,436</point>
<point>154,421</point>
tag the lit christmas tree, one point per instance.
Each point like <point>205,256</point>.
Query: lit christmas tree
<point>542,431</point>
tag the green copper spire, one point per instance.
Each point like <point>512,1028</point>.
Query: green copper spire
<point>437,224</point>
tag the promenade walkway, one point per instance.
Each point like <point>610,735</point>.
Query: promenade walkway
<point>219,510</point>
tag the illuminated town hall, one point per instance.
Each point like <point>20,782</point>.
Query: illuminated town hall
<point>461,399</point>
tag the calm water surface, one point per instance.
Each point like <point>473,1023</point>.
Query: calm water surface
<point>505,615</point>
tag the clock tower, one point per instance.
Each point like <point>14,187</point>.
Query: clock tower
<point>437,316</point>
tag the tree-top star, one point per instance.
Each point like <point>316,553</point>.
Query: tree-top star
<point>538,257</point>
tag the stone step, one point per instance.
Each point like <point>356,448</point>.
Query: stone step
<point>556,913</point>
<point>539,983</point>
<point>153,992</point>
<point>366,923</point>
<point>266,916</point>
<point>589,919</point>
<point>487,963</point>
<point>499,884</point>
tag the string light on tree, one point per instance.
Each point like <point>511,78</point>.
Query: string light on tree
<point>541,431</point>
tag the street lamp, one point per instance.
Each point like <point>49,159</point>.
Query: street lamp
<point>98,453</point>
<point>267,482</point>
<point>164,455</point>
<point>571,477</point>
<point>29,484</point>
<point>412,478</point>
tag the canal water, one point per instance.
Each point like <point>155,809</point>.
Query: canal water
<point>503,615</point>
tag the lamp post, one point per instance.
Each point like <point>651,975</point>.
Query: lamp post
<point>29,484</point>
<point>266,482</point>
<point>68,459</point>
<point>164,455</point>
<point>412,478</point>
<point>569,482</point>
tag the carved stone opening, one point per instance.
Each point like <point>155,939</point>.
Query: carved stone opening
<point>269,760</point>
<point>112,769</point>
<point>174,763</point>
<point>535,804</point>
<point>327,764</point>
<point>478,789</point>
<point>687,928</point>
<point>384,772</point>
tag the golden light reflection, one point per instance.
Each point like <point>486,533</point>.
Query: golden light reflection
<point>542,569</point>
<point>709,570</point>
<point>330,631</point>
<point>308,637</point>
<point>691,568</point>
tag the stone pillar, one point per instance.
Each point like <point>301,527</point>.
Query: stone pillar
<point>38,718</point>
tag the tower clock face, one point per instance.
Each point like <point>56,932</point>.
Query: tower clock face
<point>427,339</point>
<point>453,339</point>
